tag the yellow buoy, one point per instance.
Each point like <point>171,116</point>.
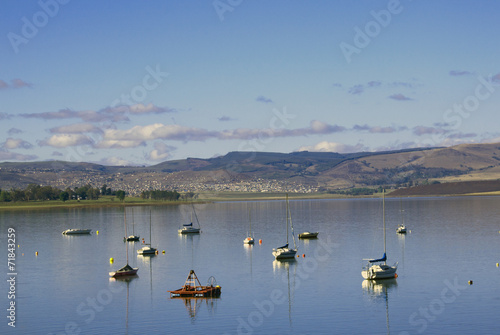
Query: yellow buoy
<point>111,260</point>
<point>163,252</point>
<point>498,264</point>
<point>470,282</point>
<point>97,232</point>
<point>18,245</point>
<point>36,253</point>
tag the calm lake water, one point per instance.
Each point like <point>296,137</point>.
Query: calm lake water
<point>66,289</point>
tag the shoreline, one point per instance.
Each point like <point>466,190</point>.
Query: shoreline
<point>206,198</point>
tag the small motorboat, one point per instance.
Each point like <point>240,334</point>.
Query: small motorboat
<point>147,250</point>
<point>131,238</point>
<point>76,231</point>
<point>308,234</point>
<point>127,270</point>
<point>401,229</point>
<point>193,289</point>
<point>249,240</point>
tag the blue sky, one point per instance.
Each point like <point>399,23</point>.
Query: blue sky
<point>138,83</point>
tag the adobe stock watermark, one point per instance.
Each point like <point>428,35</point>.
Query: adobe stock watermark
<point>153,78</point>
<point>279,120</point>
<point>88,310</point>
<point>31,26</point>
<point>223,6</point>
<point>425,315</point>
<point>151,81</point>
<point>265,309</point>
<point>454,116</point>
<point>363,37</point>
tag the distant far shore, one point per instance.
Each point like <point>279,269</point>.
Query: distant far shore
<point>228,196</point>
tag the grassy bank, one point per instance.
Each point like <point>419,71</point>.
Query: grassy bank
<point>106,201</point>
<point>111,201</point>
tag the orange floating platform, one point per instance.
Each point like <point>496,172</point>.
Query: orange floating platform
<point>193,289</point>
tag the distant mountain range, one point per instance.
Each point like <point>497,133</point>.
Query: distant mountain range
<point>313,171</point>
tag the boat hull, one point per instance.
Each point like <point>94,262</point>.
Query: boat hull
<point>76,231</point>
<point>189,231</point>
<point>248,240</point>
<point>116,274</point>
<point>147,251</point>
<point>132,238</point>
<point>401,230</point>
<point>199,292</point>
<point>381,271</point>
<point>308,235</point>
<point>284,253</point>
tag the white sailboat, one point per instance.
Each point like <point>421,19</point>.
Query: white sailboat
<point>147,249</point>
<point>188,228</point>
<point>402,227</point>
<point>285,252</point>
<point>127,270</point>
<point>133,237</point>
<point>249,239</point>
<point>378,268</point>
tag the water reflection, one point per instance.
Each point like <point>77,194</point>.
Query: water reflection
<point>193,306</point>
<point>401,240</point>
<point>147,261</point>
<point>248,251</point>
<point>127,281</point>
<point>378,290</point>
<point>278,266</point>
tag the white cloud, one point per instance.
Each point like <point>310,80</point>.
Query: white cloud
<point>66,140</point>
<point>12,156</point>
<point>16,143</point>
<point>76,128</point>
<point>114,161</point>
<point>326,146</point>
<point>161,151</point>
<point>119,144</point>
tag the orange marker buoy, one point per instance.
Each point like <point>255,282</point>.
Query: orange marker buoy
<point>303,255</point>
<point>396,275</point>
<point>260,241</point>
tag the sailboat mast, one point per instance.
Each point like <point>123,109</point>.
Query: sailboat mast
<point>286,218</point>
<point>250,219</point>
<point>383,215</point>
<point>150,228</point>
<point>125,222</point>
